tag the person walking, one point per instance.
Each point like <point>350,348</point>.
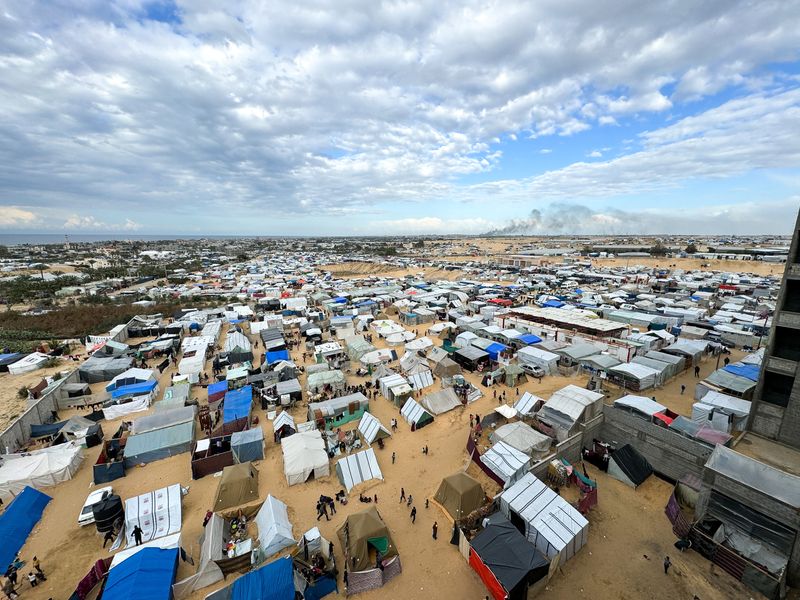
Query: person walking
<point>109,537</point>
<point>402,495</point>
<point>32,579</point>
<point>697,371</point>
<point>426,503</point>
<point>393,457</point>
<point>683,389</point>
<point>667,565</point>
<point>410,500</point>
<point>376,498</point>
<point>332,506</point>
<point>137,535</point>
<point>413,515</point>
<point>435,529</point>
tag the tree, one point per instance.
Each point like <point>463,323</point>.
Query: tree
<point>658,249</point>
<point>691,248</point>
<point>419,244</point>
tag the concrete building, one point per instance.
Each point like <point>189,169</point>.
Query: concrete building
<point>776,407</point>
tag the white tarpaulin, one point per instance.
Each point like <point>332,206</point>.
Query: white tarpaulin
<point>157,513</point>
<point>137,404</point>
<point>165,543</point>
<point>38,469</point>
<point>357,468</point>
<point>441,401</point>
<point>506,462</point>
<point>371,428</point>
<point>274,528</point>
<point>303,454</point>
<point>28,363</point>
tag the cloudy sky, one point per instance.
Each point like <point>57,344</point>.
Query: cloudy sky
<point>369,117</point>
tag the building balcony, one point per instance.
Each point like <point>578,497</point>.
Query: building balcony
<point>783,366</point>
<point>793,269</point>
<point>789,319</point>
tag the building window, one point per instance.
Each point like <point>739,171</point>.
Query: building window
<point>777,388</point>
<point>791,296</point>
<point>787,344</point>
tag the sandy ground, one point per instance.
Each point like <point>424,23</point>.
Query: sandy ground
<point>629,534</point>
<point>11,404</point>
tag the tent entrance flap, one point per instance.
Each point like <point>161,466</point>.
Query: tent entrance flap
<point>381,544</point>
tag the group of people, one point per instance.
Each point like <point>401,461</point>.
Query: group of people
<point>34,577</point>
<point>323,505</point>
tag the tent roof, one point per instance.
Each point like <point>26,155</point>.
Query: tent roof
<point>361,530</point>
<point>18,520</point>
<point>238,485</point>
<point>632,464</point>
<point>504,460</point>
<point>357,468</point>
<point>147,574</point>
<point>460,494</point>
<point>440,401</point>
<point>526,405</point>
<point>729,381</point>
<point>521,436</point>
<point>641,403</point>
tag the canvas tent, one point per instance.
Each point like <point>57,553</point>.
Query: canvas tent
<point>238,485</point>
<point>317,381</point>
<point>38,468</point>
<point>16,523</point>
<point>506,462</point>
<point>157,513</point>
<point>357,468</point>
<point>441,401</point>
<point>304,455</point>
<point>446,368</point>
<point>283,426</point>
<point>546,519</point>
<point>415,415</point>
<point>630,467</point>
<point>505,562</point>
<point>248,445</point>
<point>459,494</point>
<point>371,428</point>
<point>362,537</point>
<point>274,527</point>
<point>522,437</point>
<point>568,407</point>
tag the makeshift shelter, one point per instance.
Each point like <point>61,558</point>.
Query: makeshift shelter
<point>103,368</point>
<point>357,468</point>
<point>304,455</point>
<point>567,408</point>
<point>459,494</point>
<point>528,404</point>
<point>514,375</point>
<point>110,465</point>
<point>6,360</point>
<point>538,357</point>
<point>630,467</point>
<point>147,574</point>
<point>274,527</point>
<point>237,486</point>
<point>211,455</point>
<point>419,377</point>
<point>522,437</point>
<point>29,363</point>
<point>676,363</point>
<point>160,435</point>
<point>366,542</point>
<point>634,376</point>
<point>395,388</point>
<point>338,411</point>
<point>273,581</point>
<point>116,409</point>
<point>38,468</point>
<point>236,409</point>
<point>289,391</point>
<point>663,369</point>
<point>415,415</point>
<point>446,368</point>
<point>334,380</point>
<point>216,391</point>
<point>441,401</point>
<point>247,445</point>
<point>132,376</point>
<point>644,407</point>
<point>506,563</point>
<point>371,428</point>
<point>157,513</point>
<point>737,408</point>
<point>505,461</point>
<point>472,358</point>
<point>547,520</point>
<point>18,520</point>
<point>283,426</point>
<point>728,383</point>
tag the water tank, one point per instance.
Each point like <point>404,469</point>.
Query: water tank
<point>107,513</point>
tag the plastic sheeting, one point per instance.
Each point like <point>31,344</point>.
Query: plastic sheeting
<point>248,445</point>
<point>357,468</point>
<point>274,527</point>
<point>157,513</point>
<point>149,574</point>
<point>38,469</point>
<point>505,461</point>
<point>17,522</point>
<point>522,437</point>
<point>238,404</point>
<point>115,411</point>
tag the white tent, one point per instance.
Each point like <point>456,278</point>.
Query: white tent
<point>645,376</point>
<point>420,378</point>
<point>568,406</point>
<point>274,528</point>
<point>522,437</point>
<point>528,404</point>
<point>552,524</point>
<point>371,428</point>
<point>136,404</point>
<point>38,469</point>
<point>157,513</point>
<point>537,357</point>
<point>422,343</point>
<point>131,377</point>
<point>441,401</point>
<point>414,414</point>
<point>645,406</point>
<point>506,462</point>
<point>730,405</point>
<point>357,468</point>
<point>28,363</point>
<point>304,455</point>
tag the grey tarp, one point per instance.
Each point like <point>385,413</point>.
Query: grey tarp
<point>247,445</point>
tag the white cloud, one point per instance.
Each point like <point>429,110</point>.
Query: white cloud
<point>428,225</point>
<point>78,222</point>
<point>545,151</point>
<point>595,154</point>
<point>14,216</point>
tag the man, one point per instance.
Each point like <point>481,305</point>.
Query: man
<point>393,457</point>
<point>402,495</point>
<point>413,515</point>
<point>38,568</point>
<point>32,579</point>
<point>137,535</point>
<point>109,537</point>
<point>697,371</point>
<point>667,565</point>
<point>435,529</point>
<point>683,389</point>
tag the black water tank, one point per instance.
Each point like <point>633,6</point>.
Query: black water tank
<point>107,512</point>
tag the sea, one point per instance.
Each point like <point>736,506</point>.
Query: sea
<point>41,239</point>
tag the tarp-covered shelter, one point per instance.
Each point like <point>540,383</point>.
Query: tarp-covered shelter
<point>415,415</point>
<point>273,581</point>
<point>357,468</point>
<point>365,539</point>
<point>160,435</point>
<point>38,469</point>
<point>103,368</point>
<point>157,513</point>
<point>523,437</point>
<point>283,426</point>
<point>304,455</point>
<point>274,527</point>
<point>506,563</point>
<point>334,379</point>
<point>446,368</point>
<point>28,363</point>
<point>237,486</point>
<point>634,376</point>
<point>211,455</point>
<point>568,407</point>
<point>247,445</point>
<point>338,411</point>
<point>506,462</point>
<point>528,404</point>
<point>538,357</point>
<point>546,519</point>
<point>459,494</point>
<point>147,574</point>
<point>471,358</point>
<point>630,467</point>
<point>18,520</point>
<point>131,376</point>
<point>441,401</point>
<point>216,391</point>
<point>371,428</point>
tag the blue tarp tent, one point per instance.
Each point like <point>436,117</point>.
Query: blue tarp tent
<point>340,300</point>
<point>553,304</point>
<point>747,371</point>
<point>238,404</point>
<point>147,574</point>
<point>217,389</point>
<point>137,389</point>
<point>494,349</point>
<point>273,581</point>
<point>277,355</point>
<point>17,522</point>
<point>529,339</point>
<point>46,429</point>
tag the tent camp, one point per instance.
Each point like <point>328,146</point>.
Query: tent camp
<point>506,563</point>
<point>630,467</point>
<point>363,536</point>
<point>546,519</point>
<point>371,428</point>
<point>537,357</point>
<point>459,494</point>
<point>38,468</point>
<point>506,462</point>
<point>147,574</point>
<point>157,513</point>
<point>528,404</point>
<point>441,401</point>
<point>247,445</point>
<point>304,455</point>
<point>238,485</point>
<point>16,523</point>
<point>357,468</point>
<point>283,426</point>
<point>522,437</point>
<point>415,415</point>
<point>274,527</point>
<point>161,435</point>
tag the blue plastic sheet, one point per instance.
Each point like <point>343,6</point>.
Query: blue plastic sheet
<point>238,404</point>
<point>17,522</point>
<point>742,370</point>
<point>273,581</point>
<point>137,389</point>
<point>147,574</point>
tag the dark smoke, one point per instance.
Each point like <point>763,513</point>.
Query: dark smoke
<point>567,218</point>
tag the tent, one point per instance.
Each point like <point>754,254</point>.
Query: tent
<point>568,407</point>
<point>147,574</point>
<point>537,357</point>
<point>528,404</point>
<point>415,415</point>
<point>420,377</point>
<point>446,367</point>
<point>283,426</point>
<point>175,436</point>
<point>522,437</point>
<point>371,428</point>
<point>248,445</point>
<point>363,537</point>
<point>143,388</point>
<point>506,462</point>
<point>28,363</point>
<point>131,377</point>
<point>238,485</point>
<point>17,522</point>
<point>38,468</point>
<point>357,468</point>
<point>640,404</point>
<point>103,368</point>
<point>237,406</point>
<point>273,581</point>
<point>459,494</point>
<point>6,360</point>
<point>216,391</point>
<point>157,513</point>
<point>634,376</point>
<point>546,519</point>
<point>441,401</point>
<point>338,411</point>
<point>630,467</point>
<point>304,455</point>
<point>506,563</point>
<point>274,528</point>
<point>317,381</point>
